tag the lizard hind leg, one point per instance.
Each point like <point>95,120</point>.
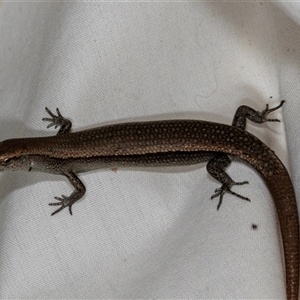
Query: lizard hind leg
<point>245,112</point>
<point>216,168</point>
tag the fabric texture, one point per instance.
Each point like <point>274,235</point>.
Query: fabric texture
<point>145,233</point>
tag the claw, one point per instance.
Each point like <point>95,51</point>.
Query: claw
<point>58,112</point>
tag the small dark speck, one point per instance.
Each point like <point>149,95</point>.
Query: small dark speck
<point>30,169</point>
<point>254,226</point>
<point>271,97</point>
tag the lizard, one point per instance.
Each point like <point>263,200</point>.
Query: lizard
<point>164,143</point>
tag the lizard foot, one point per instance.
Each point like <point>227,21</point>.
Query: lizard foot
<point>64,202</point>
<point>58,121</point>
<point>219,192</point>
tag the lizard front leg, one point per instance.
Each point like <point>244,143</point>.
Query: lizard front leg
<point>58,121</point>
<point>78,193</point>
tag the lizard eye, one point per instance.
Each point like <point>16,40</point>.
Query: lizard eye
<point>6,161</point>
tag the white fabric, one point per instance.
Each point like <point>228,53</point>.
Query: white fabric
<point>140,234</point>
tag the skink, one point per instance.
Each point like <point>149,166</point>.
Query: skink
<point>164,143</point>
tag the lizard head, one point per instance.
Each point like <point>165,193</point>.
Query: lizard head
<point>13,155</point>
